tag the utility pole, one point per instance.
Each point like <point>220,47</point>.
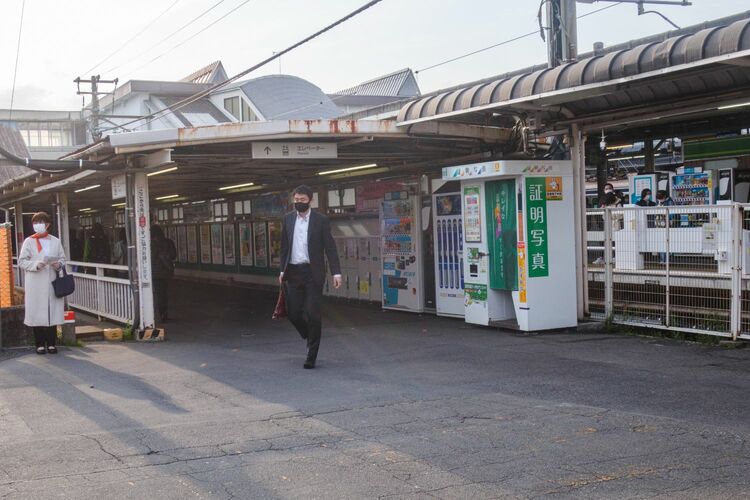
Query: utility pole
<point>562,39</point>
<point>95,80</point>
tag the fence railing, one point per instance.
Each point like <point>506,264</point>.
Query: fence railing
<point>101,289</point>
<point>679,268</point>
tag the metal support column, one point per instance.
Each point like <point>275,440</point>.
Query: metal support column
<point>609,302</point>
<point>143,250</point>
<point>736,296</point>
<point>18,226</point>
<point>63,222</point>
<point>578,158</point>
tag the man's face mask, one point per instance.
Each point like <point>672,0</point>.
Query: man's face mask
<point>40,227</point>
<point>301,207</point>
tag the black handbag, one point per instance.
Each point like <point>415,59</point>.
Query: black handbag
<point>63,284</point>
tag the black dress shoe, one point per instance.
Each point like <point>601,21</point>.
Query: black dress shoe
<point>52,349</point>
<point>309,364</point>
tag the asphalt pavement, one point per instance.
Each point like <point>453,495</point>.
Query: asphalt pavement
<point>400,406</point>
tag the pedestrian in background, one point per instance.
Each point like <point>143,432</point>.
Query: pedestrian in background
<point>41,256</point>
<point>646,200</point>
<point>120,253</point>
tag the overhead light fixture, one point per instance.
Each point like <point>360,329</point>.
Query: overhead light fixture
<point>118,204</point>
<point>168,197</point>
<point>87,188</point>
<point>730,106</point>
<point>237,186</point>
<point>159,172</point>
<point>84,209</point>
<point>370,171</point>
<point>636,157</point>
<point>349,169</point>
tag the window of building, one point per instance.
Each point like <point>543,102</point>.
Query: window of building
<point>221,211</point>
<point>163,215</point>
<point>46,134</point>
<point>120,218</point>
<point>232,105</point>
<point>178,214</point>
<point>342,200</point>
<point>242,207</point>
<point>247,113</point>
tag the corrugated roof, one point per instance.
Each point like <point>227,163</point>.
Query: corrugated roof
<point>11,140</point>
<point>400,83</point>
<point>286,97</point>
<point>213,73</point>
<point>200,107</point>
<point>648,57</point>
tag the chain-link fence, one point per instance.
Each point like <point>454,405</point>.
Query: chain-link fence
<point>678,268</point>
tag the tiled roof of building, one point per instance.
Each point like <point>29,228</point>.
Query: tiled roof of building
<point>11,140</point>
<point>194,114</point>
<point>286,97</point>
<point>398,84</point>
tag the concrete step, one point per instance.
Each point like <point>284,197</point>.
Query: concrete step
<point>89,333</point>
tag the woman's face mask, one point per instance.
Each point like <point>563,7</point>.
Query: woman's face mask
<point>40,227</point>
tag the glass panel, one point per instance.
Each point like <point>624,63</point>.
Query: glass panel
<point>232,105</point>
<point>238,208</point>
<point>349,197</point>
<point>247,113</point>
<point>333,198</point>
<point>247,206</point>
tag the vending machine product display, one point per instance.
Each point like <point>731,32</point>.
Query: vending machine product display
<point>400,246</point>
<point>449,251</point>
<point>692,188</point>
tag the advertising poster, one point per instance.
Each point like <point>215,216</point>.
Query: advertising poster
<point>522,272</point>
<point>205,244</point>
<point>472,215</point>
<point>217,246</point>
<point>271,205</point>
<point>229,244</point>
<point>502,234</point>
<point>192,247</point>
<point>274,239</point>
<point>369,195</point>
<point>554,188</point>
<point>260,244</point>
<point>449,204</point>
<point>182,244</point>
<point>536,227</point>
<point>246,245</point>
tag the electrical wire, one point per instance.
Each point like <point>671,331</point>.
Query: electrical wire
<point>190,37</point>
<point>118,49</point>
<point>168,36</point>
<point>18,52</point>
<point>200,95</point>
<point>515,39</point>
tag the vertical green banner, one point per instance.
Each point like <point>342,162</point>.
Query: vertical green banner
<point>536,227</point>
<point>502,233</point>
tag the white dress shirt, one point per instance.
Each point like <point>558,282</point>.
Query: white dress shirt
<point>300,253</point>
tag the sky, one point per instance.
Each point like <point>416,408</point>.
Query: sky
<point>61,40</point>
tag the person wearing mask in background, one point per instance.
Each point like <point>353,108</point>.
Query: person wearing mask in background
<point>608,189</point>
<point>163,254</point>
<point>646,200</point>
<point>305,240</point>
<point>120,253</point>
<point>663,199</point>
<point>41,256</point>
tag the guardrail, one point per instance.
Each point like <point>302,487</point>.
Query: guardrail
<point>101,289</point>
<point>678,268</point>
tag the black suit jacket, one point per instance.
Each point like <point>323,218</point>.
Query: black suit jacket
<point>319,243</point>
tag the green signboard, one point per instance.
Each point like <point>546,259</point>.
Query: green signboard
<point>536,227</point>
<point>502,233</point>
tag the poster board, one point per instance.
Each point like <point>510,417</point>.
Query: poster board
<point>205,233</point>
<point>260,244</point>
<point>182,244</point>
<point>229,259</point>
<point>472,215</point>
<point>274,239</point>
<point>192,245</point>
<point>217,245</point>
<point>246,244</point>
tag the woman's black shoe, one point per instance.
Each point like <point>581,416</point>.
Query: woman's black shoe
<point>40,350</point>
<point>52,349</point>
<point>309,365</point>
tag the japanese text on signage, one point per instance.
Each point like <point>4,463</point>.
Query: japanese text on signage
<point>536,225</point>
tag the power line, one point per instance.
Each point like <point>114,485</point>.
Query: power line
<point>169,36</point>
<point>18,52</point>
<point>515,39</point>
<point>190,37</point>
<point>202,94</point>
<point>131,38</point>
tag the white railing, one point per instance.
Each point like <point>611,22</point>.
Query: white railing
<point>103,290</point>
<point>17,274</point>
<point>678,268</point>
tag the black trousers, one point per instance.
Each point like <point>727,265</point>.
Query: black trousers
<point>304,298</point>
<point>45,335</point>
<point>161,297</point>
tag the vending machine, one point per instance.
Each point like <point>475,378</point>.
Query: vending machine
<point>401,234</point>
<point>449,254</point>
<point>518,243</point>
<point>692,186</point>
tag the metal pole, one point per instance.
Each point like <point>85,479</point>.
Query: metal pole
<point>19,226</point>
<point>577,156</point>
<point>132,255</point>
<point>608,267</point>
<point>143,249</point>
<point>736,295</point>
<point>668,286</point>
<point>63,222</point>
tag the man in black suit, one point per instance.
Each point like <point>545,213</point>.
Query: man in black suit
<point>305,238</point>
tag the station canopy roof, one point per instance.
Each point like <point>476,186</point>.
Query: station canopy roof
<point>690,71</point>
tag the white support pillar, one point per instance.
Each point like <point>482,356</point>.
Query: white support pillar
<point>143,250</point>
<point>63,221</point>
<point>18,226</point>
<point>578,158</point>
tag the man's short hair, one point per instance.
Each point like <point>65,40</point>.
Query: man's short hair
<point>42,217</point>
<point>305,190</point>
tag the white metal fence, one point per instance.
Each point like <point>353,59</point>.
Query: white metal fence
<point>101,289</point>
<point>679,268</point>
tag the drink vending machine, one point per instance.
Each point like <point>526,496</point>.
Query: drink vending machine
<point>518,243</point>
<point>359,254</point>
<point>449,254</point>
<point>401,234</point>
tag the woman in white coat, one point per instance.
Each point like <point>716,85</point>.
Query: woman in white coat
<point>41,257</point>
